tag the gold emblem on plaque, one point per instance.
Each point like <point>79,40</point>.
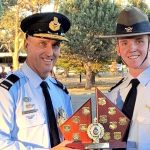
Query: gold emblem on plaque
<point>103,119</point>
<point>83,127</point>
<point>76,137</point>
<point>117,135</point>
<point>122,121</point>
<point>54,25</point>
<point>95,131</point>
<point>85,110</point>
<point>76,119</point>
<point>102,101</point>
<point>111,110</point>
<point>67,128</point>
<point>113,125</point>
<point>106,136</point>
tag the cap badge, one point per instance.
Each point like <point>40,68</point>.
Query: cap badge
<point>54,25</point>
<point>129,29</point>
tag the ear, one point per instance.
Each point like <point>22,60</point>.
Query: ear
<point>118,50</point>
<point>26,44</point>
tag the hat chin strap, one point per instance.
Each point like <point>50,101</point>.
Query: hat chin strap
<point>144,58</point>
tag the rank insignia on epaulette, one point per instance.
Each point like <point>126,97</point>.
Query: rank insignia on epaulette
<point>9,81</point>
<point>60,85</point>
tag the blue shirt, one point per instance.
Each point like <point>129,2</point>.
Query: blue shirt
<point>23,118</point>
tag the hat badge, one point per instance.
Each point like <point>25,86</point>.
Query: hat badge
<point>129,29</point>
<point>54,25</point>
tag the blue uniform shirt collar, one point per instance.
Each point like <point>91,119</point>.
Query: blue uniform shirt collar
<point>31,75</point>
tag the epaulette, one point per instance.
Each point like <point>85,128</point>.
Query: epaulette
<point>116,85</point>
<point>60,85</point>
<point>9,81</point>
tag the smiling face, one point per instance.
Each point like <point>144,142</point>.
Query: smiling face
<point>134,51</point>
<point>42,54</point>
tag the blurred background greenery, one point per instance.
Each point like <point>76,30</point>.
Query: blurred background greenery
<point>85,54</point>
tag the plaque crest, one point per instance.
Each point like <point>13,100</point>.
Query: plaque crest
<point>117,135</point>
<point>85,110</point>
<point>111,110</point>
<point>76,137</point>
<point>122,121</point>
<point>83,127</point>
<point>102,101</point>
<point>106,136</point>
<point>103,119</point>
<point>113,125</point>
<point>76,119</point>
<point>95,131</point>
<point>67,128</point>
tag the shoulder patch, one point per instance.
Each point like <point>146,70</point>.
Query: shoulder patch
<point>117,84</point>
<point>9,81</point>
<point>60,85</point>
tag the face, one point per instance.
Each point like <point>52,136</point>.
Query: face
<point>42,54</point>
<point>133,51</point>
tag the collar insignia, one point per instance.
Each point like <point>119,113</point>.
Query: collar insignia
<point>54,25</point>
<point>129,29</point>
<point>147,107</point>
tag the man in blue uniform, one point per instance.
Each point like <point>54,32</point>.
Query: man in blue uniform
<point>132,93</point>
<point>25,118</point>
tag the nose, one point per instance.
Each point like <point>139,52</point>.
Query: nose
<point>49,50</point>
<point>132,46</point>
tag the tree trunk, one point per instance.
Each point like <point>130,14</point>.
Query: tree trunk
<point>88,83</point>
<point>66,73</point>
<point>93,78</point>
<point>15,61</point>
<point>16,44</point>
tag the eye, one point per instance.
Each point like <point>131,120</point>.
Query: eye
<point>56,45</point>
<point>139,41</point>
<point>123,43</point>
<point>43,44</point>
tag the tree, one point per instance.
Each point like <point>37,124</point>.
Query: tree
<point>11,33</point>
<point>90,18</point>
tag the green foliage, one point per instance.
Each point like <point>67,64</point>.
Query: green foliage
<point>89,20</point>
